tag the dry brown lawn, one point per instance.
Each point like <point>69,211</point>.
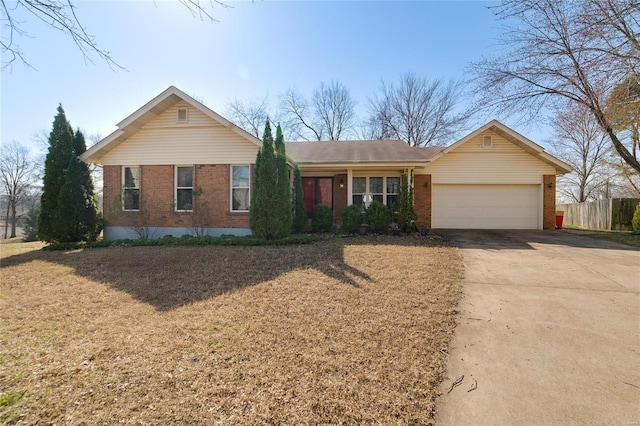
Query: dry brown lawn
<point>345,331</point>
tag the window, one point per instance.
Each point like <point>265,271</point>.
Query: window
<point>375,188</point>
<point>359,190</point>
<point>183,115</point>
<point>240,192</point>
<point>393,183</point>
<point>184,188</point>
<point>131,188</point>
<point>486,141</point>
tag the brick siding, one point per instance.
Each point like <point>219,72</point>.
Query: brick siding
<point>549,202</point>
<point>157,199</point>
<point>422,199</point>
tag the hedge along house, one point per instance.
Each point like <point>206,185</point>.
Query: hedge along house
<point>175,167</point>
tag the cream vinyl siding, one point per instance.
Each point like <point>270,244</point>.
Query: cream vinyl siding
<point>201,140</point>
<point>502,163</point>
<point>486,207</point>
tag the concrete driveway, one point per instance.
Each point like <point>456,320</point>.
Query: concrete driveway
<point>549,331</point>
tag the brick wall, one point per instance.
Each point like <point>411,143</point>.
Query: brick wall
<point>157,199</point>
<point>422,199</point>
<point>549,202</point>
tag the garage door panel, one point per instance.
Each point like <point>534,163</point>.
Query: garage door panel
<point>485,206</point>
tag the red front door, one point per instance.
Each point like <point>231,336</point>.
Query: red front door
<point>317,191</point>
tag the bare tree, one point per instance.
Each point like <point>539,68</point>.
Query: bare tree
<point>575,50</point>
<point>249,115</point>
<point>61,15</point>
<point>335,109</point>
<point>417,110</point>
<point>580,142</point>
<point>329,115</point>
<point>17,171</point>
<point>298,116</point>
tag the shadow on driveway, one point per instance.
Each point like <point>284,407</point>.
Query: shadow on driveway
<point>523,240</point>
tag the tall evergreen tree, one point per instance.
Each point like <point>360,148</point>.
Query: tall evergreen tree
<point>282,204</point>
<point>77,217</point>
<point>406,215</point>
<point>270,211</point>
<point>68,206</point>
<point>263,187</point>
<point>55,166</point>
<point>299,211</point>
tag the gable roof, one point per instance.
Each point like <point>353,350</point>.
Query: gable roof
<point>515,138</point>
<point>376,151</point>
<point>149,111</point>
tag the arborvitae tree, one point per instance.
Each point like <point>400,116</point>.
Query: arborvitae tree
<point>56,163</point>
<point>406,215</point>
<point>68,206</point>
<point>93,218</point>
<point>281,211</point>
<point>299,211</point>
<point>77,217</point>
<point>264,187</point>
<point>270,211</point>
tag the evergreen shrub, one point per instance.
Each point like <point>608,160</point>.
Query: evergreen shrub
<point>322,220</point>
<point>635,221</point>
<point>351,219</point>
<point>378,217</point>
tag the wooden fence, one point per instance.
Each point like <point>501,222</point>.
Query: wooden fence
<point>607,215</point>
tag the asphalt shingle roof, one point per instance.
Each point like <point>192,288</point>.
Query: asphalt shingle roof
<point>377,151</point>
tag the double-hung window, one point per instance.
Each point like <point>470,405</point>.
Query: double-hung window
<point>375,188</point>
<point>131,188</point>
<point>359,191</point>
<point>184,188</point>
<point>240,188</point>
<point>393,183</point>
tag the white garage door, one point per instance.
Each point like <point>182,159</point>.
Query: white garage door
<point>485,206</point>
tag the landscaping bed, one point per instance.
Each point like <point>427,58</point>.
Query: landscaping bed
<point>343,331</point>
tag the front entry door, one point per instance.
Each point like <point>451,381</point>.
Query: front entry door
<point>317,190</point>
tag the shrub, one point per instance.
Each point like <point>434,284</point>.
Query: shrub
<point>30,225</point>
<point>378,217</point>
<point>322,219</point>
<point>351,219</point>
<point>635,222</point>
<point>187,240</point>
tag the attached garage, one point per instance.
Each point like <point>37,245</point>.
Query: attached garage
<point>486,206</point>
<point>493,178</point>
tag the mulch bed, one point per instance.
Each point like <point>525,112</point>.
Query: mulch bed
<point>345,331</point>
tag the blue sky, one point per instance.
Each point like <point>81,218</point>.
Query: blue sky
<point>256,49</point>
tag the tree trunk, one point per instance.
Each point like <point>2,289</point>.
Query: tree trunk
<point>627,157</point>
<point>12,203</point>
<point>6,222</point>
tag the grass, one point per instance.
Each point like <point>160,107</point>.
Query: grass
<point>622,237</point>
<point>342,331</point>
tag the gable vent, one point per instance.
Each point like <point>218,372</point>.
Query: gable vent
<point>487,141</point>
<point>183,115</point>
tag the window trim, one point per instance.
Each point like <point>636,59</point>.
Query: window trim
<point>231,187</point>
<point>175,187</point>
<point>124,187</point>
